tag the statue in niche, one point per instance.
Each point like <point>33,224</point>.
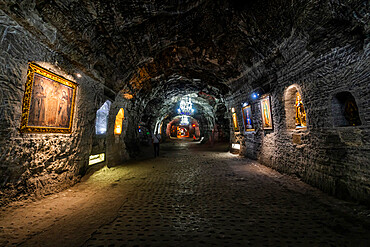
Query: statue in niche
<point>351,113</point>
<point>300,117</point>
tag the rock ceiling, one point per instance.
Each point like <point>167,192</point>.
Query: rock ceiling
<point>136,45</point>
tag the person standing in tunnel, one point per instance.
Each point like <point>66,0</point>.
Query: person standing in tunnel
<point>156,139</point>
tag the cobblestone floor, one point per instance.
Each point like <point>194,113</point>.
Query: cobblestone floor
<point>203,197</point>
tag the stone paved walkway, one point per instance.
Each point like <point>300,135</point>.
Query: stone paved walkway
<point>187,197</point>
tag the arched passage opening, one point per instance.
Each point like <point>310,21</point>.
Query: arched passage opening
<point>101,122</point>
<point>118,123</point>
<point>179,128</point>
<point>345,110</point>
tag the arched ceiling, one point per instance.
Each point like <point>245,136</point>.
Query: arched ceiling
<point>164,100</point>
<point>134,45</point>
<point>131,41</point>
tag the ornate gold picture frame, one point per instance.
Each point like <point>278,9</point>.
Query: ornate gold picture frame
<point>247,118</point>
<point>48,102</point>
<point>266,112</point>
<point>235,122</point>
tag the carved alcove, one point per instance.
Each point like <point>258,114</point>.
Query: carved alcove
<point>294,109</point>
<point>101,123</point>
<point>345,110</point>
<point>119,121</point>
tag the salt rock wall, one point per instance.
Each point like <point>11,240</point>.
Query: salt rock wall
<point>332,158</point>
<point>39,163</point>
<point>116,147</point>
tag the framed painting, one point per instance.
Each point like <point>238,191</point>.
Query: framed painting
<point>235,122</point>
<point>266,112</point>
<point>48,102</point>
<point>247,118</point>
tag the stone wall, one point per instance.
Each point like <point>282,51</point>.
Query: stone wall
<point>40,163</point>
<point>116,144</point>
<point>334,159</point>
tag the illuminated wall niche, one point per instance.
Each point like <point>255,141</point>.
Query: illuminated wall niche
<point>119,120</point>
<point>101,123</point>
<point>96,158</point>
<point>294,109</point>
<point>235,120</point>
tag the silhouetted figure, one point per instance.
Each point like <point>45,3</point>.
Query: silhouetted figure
<point>156,139</point>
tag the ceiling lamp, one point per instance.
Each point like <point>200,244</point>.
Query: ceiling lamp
<point>184,120</point>
<point>186,107</point>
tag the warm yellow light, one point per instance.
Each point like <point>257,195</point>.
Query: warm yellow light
<point>118,124</point>
<point>96,158</point>
<point>235,146</point>
<point>128,96</point>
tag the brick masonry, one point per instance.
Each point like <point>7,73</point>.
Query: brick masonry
<point>334,159</point>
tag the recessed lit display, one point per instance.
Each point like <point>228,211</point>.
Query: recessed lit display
<point>235,146</point>
<point>118,124</point>
<point>96,158</point>
<point>101,123</point>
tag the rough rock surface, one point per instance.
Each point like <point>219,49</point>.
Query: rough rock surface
<point>145,55</point>
<point>40,164</point>
<point>190,196</point>
<point>335,159</point>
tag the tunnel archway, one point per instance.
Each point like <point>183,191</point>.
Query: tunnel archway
<point>161,108</point>
<point>145,56</point>
<point>179,129</point>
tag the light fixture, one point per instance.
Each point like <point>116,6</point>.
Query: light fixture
<point>184,120</point>
<point>255,95</point>
<point>245,104</point>
<point>96,158</point>
<point>235,146</point>
<point>119,121</point>
<point>78,75</point>
<point>186,107</point>
<point>233,110</point>
<point>118,130</point>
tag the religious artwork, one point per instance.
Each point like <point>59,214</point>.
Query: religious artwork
<point>300,116</point>
<point>48,102</point>
<point>247,118</point>
<point>182,132</point>
<point>235,121</point>
<point>266,112</point>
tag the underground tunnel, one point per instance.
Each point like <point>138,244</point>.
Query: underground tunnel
<point>86,84</point>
